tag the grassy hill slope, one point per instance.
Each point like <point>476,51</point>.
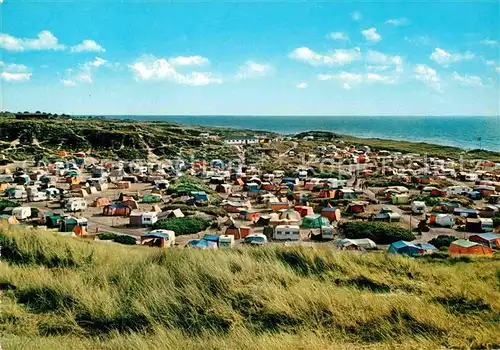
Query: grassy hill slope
<point>67,293</point>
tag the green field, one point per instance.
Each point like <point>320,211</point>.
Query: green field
<point>68,293</point>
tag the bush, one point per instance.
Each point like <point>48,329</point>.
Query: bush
<point>496,221</point>
<point>123,239</point>
<point>183,226</point>
<point>380,233</point>
<point>106,236</point>
<point>128,240</point>
<point>442,241</point>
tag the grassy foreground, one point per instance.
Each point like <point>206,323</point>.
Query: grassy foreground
<point>68,293</point>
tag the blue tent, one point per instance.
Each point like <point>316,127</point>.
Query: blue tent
<point>405,248</point>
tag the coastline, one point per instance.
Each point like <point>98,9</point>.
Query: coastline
<point>463,131</point>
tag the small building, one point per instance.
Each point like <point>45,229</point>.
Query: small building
<point>466,213</point>
<point>463,246</point>
<point>241,140</point>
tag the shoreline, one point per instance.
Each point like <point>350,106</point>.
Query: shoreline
<point>488,143</point>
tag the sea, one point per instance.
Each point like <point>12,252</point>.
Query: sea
<point>465,132</point>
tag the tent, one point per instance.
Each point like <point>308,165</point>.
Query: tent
<point>364,243</point>
<point>80,231</point>
<point>290,217</point>
<point>331,213</point>
<point>314,221</point>
<point>8,219</point>
<point>116,209</point>
<point>101,202</point>
<point>405,248</point>
<point>490,239</point>
<point>304,210</point>
<point>463,246</point>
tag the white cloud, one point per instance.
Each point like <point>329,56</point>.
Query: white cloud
<point>7,76</point>
<point>188,61</point>
<point>356,16</point>
<point>336,57</point>
<point>68,82</point>
<point>371,34</point>
<point>87,46</point>
<point>198,79</point>
<point>490,63</point>
<point>324,77</point>
<point>348,79</point>
<point>428,76</point>
<point>467,80</point>
<point>419,40</point>
<point>489,42</point>
<point>497,69</point>
<point>397,21</point>
<point>84,72</point>
<point>252,69</point>
<point>338,36</point>
<point>302,85</point>
<point>376,57</point>
<point>152,68</point>
<point>446,58</point>
<point>97,62</point>
<point>14,72</point>
<point>45,41</point>
<point>377,78</point>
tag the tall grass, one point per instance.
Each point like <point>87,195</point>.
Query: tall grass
<point>62,292</point>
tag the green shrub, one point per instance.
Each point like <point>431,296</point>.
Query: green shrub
<point>128,240</point>
<point>496,221</point>
<point>380,233</point>
<point>442,241</point>
<point>106,236</point>
<point>183,226</point>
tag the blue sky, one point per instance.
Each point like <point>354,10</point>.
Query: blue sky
<point>252,58</point>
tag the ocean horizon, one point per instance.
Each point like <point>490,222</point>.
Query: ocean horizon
<point>459,131</point>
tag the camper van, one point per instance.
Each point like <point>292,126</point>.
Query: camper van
<point>38,197</point>
<point>418,207</point>
<point>287,233</point>
<point>76,204</point>
<point>226,241</point>
<point>21,213</point>
<point>303,175</point>
<point>457,190</point>
<point>325,233</point>
<point>278,173</point>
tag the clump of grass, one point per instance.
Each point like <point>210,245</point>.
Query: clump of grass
<point>115,296</point>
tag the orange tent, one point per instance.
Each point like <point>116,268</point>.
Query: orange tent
<point>463,246</point>
<point>63,153</point>
<point>80,231</point>
<point>101,202</point>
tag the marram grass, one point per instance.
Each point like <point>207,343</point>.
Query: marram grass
<point>62,292</point>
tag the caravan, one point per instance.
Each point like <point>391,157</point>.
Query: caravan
<point>76,204</point>
<point>38,197</point>
<point>418,207</point>
<point>21,213</point>
<point>287,232</point>
<point>457,190</point>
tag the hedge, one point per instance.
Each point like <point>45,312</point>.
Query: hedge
<point>380,233</point>
<point>183,226</point>
<point>442,241</point>
<point>123,239</point>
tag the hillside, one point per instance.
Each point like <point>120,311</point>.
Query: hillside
<point>67,293</point>
<point>107,138</point>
